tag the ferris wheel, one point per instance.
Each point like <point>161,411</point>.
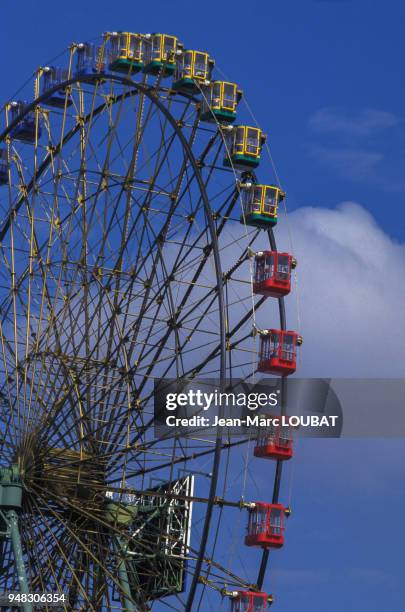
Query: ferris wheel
<point>137,244</point>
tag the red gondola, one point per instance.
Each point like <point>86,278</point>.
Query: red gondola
<point>272,274</point>
<point>274,443</point>
<point>278,351</point>
<point>248,601</point>
<point>266,525</point>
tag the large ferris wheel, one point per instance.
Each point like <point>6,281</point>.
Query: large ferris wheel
<point>137,244</point>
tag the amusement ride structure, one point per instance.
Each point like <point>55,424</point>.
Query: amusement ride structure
<point>137,243</point>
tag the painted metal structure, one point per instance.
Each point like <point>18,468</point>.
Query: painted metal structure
<point>219,102</point>
<point>247,601</point>
<point>274,443</point>
<point>103,171</point>
<point>244,146</point>
<point>278,351</point>
<point>266,525</point>
<point>260,204</point>
<point>272,273</point>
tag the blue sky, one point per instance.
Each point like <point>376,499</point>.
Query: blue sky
<point>325,80</point>
<point>311,69</point>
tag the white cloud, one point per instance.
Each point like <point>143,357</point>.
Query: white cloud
<point>357,145</point>
<point>350,289</point>
<point>354,163</point>
<point>351,292</point>
<point>364,123</point>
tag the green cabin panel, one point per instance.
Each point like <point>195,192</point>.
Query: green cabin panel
<point>156,66</point>
<point>186,83</point>
<point>259,220</point>
<point>125,66</point>
<point>242,160</point>
<point>223,116</point>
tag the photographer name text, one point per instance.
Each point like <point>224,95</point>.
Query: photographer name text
<point>253,421</point>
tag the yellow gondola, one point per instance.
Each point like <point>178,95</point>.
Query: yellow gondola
<point>126,52</point>
<point>220,100</point>
<point>160,54</point>
<point>260,204</point>
<point>193,69</point>
<point>244,145</point>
